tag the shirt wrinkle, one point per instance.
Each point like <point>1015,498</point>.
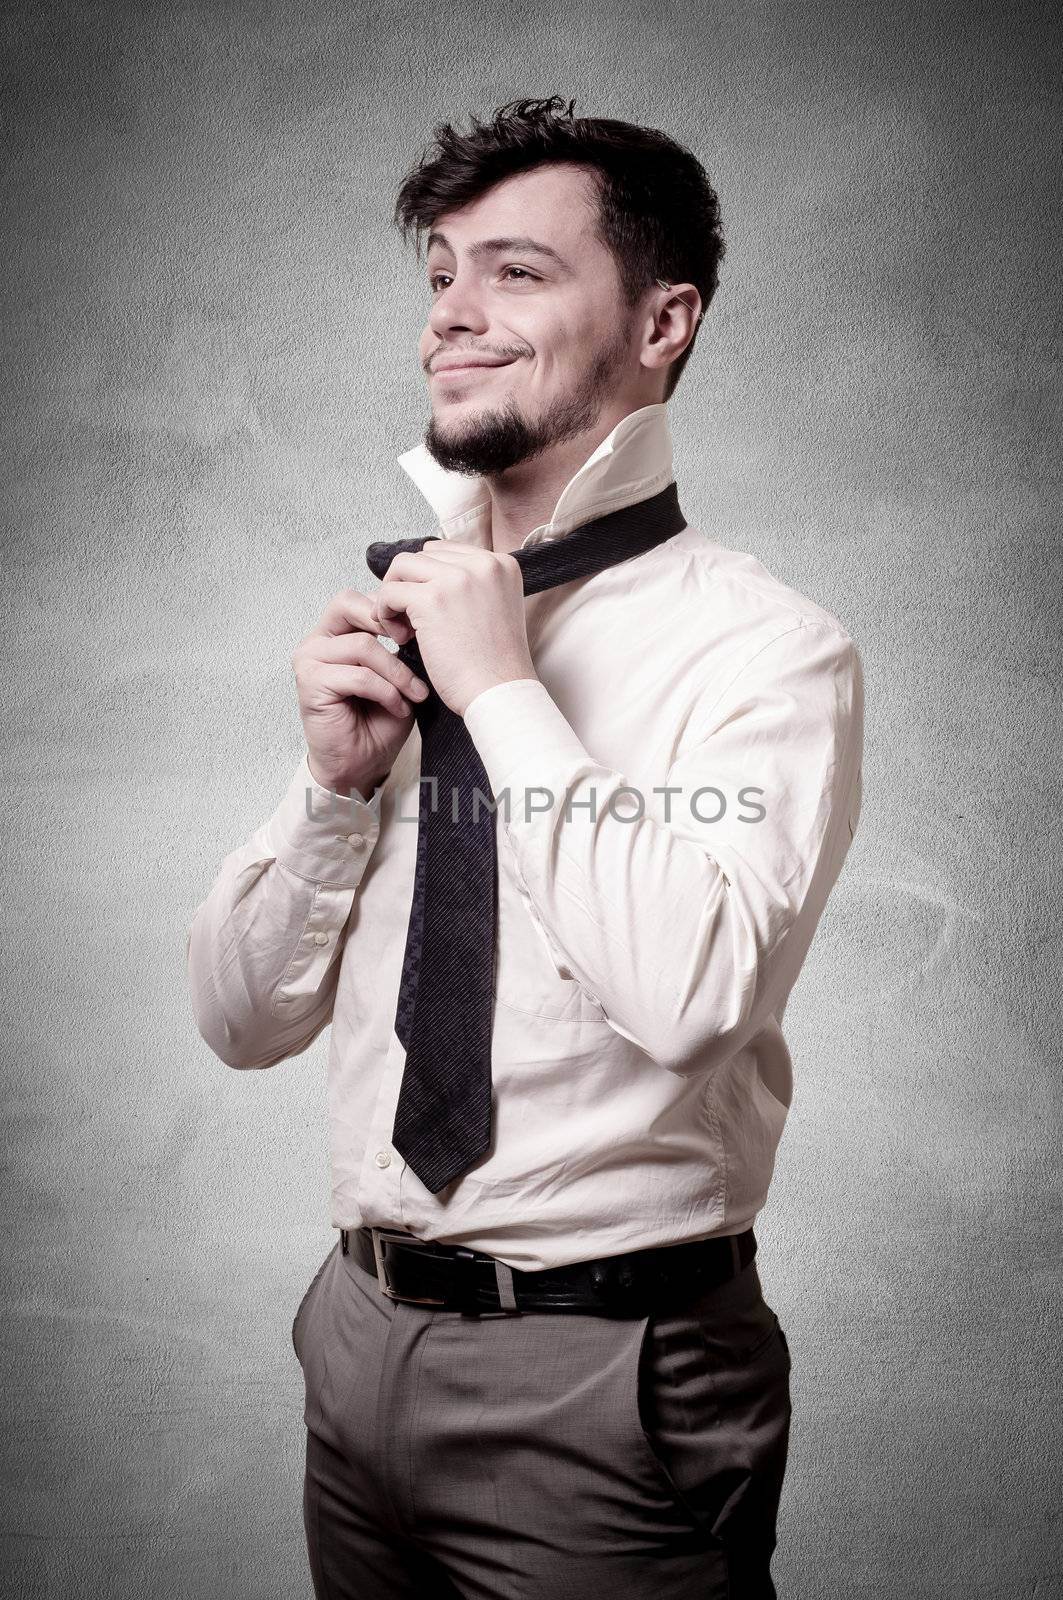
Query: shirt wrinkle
<point>640,1074</point>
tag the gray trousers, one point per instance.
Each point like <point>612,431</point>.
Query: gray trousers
<point>536,1455</point>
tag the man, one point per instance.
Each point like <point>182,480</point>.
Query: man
<point>539,1357</point>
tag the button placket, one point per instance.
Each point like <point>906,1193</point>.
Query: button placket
<point>383,1167</point>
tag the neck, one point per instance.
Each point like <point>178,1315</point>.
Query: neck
<point>524,496</point>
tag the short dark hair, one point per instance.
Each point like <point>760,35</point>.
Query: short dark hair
<point>657,211</point>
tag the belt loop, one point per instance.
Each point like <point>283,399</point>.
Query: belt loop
<point>736,1259</point>
<point>504,1279</point>
<point>343,1242</point>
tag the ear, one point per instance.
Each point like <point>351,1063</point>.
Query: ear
<point>674,317</point>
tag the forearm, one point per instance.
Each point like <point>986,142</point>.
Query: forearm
<point>263,947</point>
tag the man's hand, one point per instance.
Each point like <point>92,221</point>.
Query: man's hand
<point>354,697</point>
<point>466,606</point>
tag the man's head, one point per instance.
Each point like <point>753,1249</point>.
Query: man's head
<point>597,321</point>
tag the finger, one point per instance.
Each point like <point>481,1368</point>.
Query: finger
<point>362,683</point>
<point>397,628</point>
<point>350,609</point>
<point>362,649</point>
<point>455,551</point>
<point>393,600</point>
<point>413,565</point>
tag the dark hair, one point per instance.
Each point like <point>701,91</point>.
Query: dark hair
<point>657,211</point>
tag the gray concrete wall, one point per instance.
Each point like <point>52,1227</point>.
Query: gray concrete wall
<point>210,369</point>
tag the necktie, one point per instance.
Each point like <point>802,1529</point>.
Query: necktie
<point>444,1014</point>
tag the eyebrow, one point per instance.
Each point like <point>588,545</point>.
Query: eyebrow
<point>490,247</point>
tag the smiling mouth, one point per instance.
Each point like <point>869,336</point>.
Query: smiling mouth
<point>465,370</point>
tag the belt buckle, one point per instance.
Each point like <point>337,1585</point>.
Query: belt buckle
<point>463,1282</point>
<point>617,1287</point>
<point>380,1239</point>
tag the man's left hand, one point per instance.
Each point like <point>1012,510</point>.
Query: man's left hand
<point>466,606</point>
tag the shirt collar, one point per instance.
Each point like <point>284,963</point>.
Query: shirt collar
<point>631,463</point>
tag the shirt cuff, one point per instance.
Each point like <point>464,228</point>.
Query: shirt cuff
<point>523,739</point>
<point>330,845</point>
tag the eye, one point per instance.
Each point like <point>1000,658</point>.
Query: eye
<point>525,275</point>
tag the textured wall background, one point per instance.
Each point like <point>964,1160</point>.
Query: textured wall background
<point>210,353</point>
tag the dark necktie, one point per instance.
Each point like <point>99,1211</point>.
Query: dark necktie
<point>445,1010</point>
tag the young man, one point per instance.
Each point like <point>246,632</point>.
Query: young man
<point>593,806</point>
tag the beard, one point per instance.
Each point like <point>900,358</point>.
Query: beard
<point>502,438</point>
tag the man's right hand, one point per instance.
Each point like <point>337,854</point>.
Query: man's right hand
<point>354,697</point>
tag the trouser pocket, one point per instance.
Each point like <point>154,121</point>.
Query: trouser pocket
<point>305,1301</point>
<point>711,1397</point>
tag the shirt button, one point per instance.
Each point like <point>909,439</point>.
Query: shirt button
<point>356,840</point>
<point>382,1158</point>
<point>321,938</point>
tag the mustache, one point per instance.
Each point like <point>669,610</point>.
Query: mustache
<point>503,353</point>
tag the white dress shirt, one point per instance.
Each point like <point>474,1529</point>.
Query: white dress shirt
<point>645,952</point>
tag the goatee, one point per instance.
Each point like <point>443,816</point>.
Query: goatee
<point>496,440</point>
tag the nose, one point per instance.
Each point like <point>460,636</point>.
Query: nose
<point>456,309</point>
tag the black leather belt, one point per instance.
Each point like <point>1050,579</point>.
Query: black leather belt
<point>452,1278</point>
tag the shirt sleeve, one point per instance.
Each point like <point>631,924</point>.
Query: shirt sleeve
<point>263,947</point>
<point>686,931</point>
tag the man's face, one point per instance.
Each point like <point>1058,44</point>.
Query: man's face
<point>555,324</point>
